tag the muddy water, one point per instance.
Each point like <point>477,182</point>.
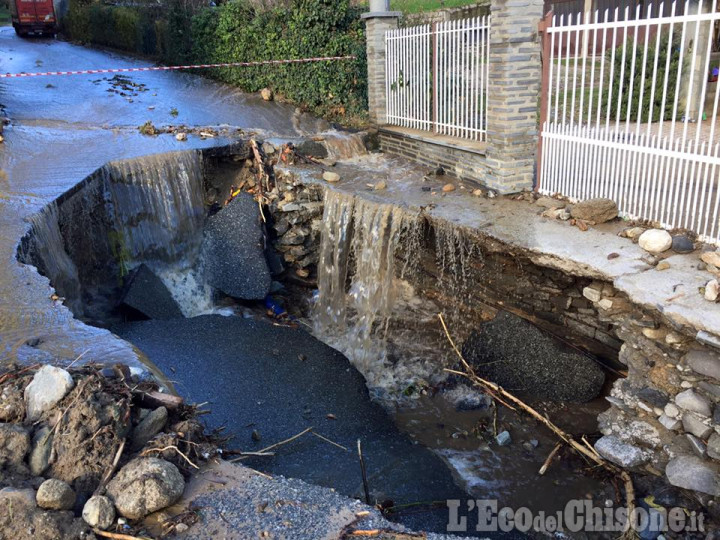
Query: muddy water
<point>63,132</point>
<point>64,128</point>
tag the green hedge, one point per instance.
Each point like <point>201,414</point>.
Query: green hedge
<point>235,32</point>
<point>632,80</point>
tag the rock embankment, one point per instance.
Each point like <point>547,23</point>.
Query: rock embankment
<point>94,443</point>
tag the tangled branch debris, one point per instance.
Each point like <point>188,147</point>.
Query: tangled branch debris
<point>583,449</point>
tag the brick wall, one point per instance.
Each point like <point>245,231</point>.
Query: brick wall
<point>508,163</point>
<point>458,162</point>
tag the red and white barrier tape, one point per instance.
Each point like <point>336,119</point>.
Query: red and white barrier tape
<point>174,68</point>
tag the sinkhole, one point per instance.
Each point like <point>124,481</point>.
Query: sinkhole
<point>285,302</point>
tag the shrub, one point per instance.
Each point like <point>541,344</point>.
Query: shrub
<point>634,79</point>
<point>237,31</point>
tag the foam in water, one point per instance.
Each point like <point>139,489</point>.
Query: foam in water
<point>344,145</point>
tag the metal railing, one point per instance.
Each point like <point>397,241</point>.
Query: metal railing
<point>437,77</point>
<point>630,112</point>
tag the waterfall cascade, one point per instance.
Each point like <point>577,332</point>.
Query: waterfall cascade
<point>344,145</point>
<point>367,249</point>
<point>145,210</point>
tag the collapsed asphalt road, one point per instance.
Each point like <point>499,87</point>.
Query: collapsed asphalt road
<point>63,128</point>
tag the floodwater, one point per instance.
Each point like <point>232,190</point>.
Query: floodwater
<point>63,128</point>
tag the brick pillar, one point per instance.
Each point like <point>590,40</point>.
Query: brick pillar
<point>376,24</point>
<point>514,92</point>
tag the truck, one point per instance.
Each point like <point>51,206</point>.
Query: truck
<point>33,17</point>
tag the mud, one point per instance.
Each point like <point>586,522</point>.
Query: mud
<point>86,432</point>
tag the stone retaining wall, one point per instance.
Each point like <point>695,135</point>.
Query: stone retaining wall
<point>457,161</point>
<point>664,416</point>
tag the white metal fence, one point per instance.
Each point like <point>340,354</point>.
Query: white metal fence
<point>630,112</point>
<point>437,77</point>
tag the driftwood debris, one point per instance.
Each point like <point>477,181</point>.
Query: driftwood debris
<point>363,470</point>
<point>584,449</point>
<point>155,399</point>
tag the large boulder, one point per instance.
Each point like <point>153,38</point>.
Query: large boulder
<point>14,446</point>
<point>145,485</point>
<point>595,210</point>
<point>49,385</point>
<point>520,357</point>
<point>146,293</point>
<point>233,251</point>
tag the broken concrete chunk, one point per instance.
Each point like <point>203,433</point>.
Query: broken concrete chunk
<point>655,240</point>
<point>99,512</point>
<point>49,385</point>
<point>150,426</point>
<point>233,251</point>
<point>146,293</point>
<point>55,494</point>
<point>619,452</point>
<point>690,472</point>
<point>145,485</point>
<point>595,210</point>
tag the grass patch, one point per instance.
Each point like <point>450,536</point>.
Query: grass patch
<point>418,6</point>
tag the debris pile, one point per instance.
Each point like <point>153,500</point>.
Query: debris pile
<point>88,449</point>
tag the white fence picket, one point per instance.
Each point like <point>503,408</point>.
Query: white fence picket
<point>437,77</point>
<point>644,131</point>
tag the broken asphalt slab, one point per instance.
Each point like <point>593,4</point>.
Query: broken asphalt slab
<point>233,251</point>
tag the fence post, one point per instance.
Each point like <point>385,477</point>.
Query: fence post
<point>434,59</point>
<point>545,59</point>
<point>377,23</point>
<point>514,91</point>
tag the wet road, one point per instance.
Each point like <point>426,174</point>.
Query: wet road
<point>63,128</point>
